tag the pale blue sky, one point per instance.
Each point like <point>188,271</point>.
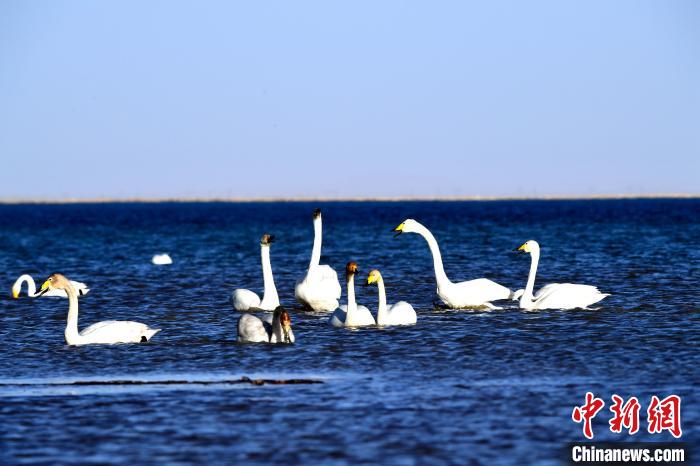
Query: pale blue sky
<point>161,99</point>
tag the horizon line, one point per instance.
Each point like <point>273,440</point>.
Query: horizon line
<point>155,200</point>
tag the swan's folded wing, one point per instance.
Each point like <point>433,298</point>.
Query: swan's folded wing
<point>252,330</point>
<point>479,291</point>
<point>567,296</point>
<point>244,299</point>
<point>116,331</point>
<point>322,282</point>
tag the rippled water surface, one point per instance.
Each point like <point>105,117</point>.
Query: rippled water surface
<point>460,386</point>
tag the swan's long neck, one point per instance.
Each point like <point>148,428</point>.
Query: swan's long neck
<point>72,335</point>
<point>382,308</point>
<point>270,298</point>
<point>276,328</point>
<point>31,286</point>
<point>440,276</point>
<point>527,296</point>
<point>318,239</point>
<point>352,305</point>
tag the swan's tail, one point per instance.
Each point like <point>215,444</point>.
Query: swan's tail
<point>148,334</point>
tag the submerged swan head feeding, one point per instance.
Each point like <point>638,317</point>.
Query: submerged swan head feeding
<point>281,319</point>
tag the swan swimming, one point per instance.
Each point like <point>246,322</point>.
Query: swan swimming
<point>80,288</point>
<point>400,313</point>
<point>107,332</point>
<point>352,314</point>
<point>161,259</point>
<point>319,289</point>
<point>246,300</point>
<point>554,295</point>
<point>468,294</point>
<point>275,328</point>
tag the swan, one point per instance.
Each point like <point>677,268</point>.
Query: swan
<point>80,288</point>
<point>246,300</point>
<point>554,295</point>
<point>400,313</point>
<point>161,259</point>
<point>107,332</point>
<point>275,328</point>
<point>319,289</point>
<point>469,294</point>
<point>352,314</point>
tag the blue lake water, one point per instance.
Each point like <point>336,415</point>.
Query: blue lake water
<point>489,387</point>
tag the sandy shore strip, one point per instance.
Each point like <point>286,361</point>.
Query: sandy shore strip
<point>148,200</point>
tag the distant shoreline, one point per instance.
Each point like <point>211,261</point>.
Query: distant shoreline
<point>243,200</point>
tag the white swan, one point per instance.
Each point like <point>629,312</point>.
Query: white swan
<point>246,300</point>
<point>319,290</point>
<point>107,332</point>
<point>469,294</point>
<point>161,259</point>
<point>80,288</point>
<point>554,295</point>
<point>272,328</point>
<point>352,314</point>
<point>400,313</point>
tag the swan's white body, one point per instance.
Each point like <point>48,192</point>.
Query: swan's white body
<point>161,259</point>
<point>400,313</point>
<point>107,332</point>
<point>253,329</point>
<point>80,288</point>
<point>246,300</point>
<point>352,314</point>
<point>319,289</point>
<point>555,295</point>
<point>468,294</point>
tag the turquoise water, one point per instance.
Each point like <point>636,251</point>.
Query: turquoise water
<point>494,387</point>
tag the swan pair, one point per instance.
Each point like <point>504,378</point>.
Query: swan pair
<point>272,328</point>
<point>480,292</point>
<point>107,332</point>
<point>319,290</point>
<point>355,315</point>
<point>80,288</point>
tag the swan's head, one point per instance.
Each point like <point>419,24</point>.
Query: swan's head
<point>530,247</point>
<point>317,213</point>
<point>350,269</point>
<point>407,226</point>
<point>55,282</point>
<point>374,277</point>
<point>285,321</point>
<point>267,240</point>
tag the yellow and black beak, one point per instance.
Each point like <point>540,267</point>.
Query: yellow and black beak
<point>371,278</point>
<point>398,230</point>
<point>44,288</point>
<point>15,294</point>
<point>522,248</point>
